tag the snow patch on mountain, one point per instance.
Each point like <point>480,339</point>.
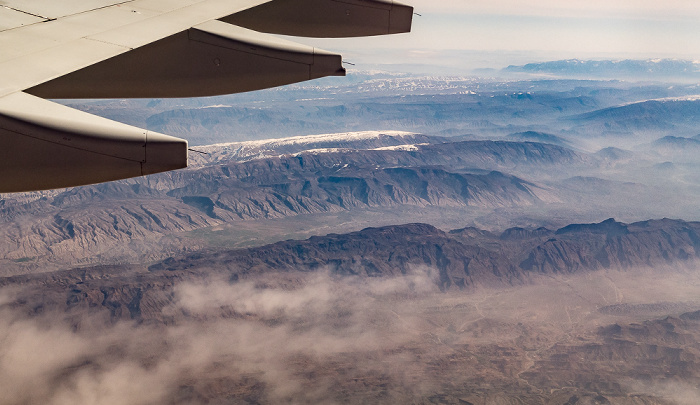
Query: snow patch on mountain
<point>323,150</point>
<point>309,139</point>
<point>405,148</point>
<point>324,143</point>
<point>695,97</point>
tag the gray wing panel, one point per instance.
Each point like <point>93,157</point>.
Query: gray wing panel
<point>58,8</point>
<point>43,51</point>
<point>10,19</point>
<point>149,48</point>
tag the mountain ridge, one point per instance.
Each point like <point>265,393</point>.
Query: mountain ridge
<point>639,68</point>
<point>121,219</point>
<point>459,260</point>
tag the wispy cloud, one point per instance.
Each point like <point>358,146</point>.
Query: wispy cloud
<point>223,333</point>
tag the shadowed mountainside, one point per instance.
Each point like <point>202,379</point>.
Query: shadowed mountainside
<point>117,222</point>
<point>460,260</point>
<point>678,116</point>
<point>469,257</point>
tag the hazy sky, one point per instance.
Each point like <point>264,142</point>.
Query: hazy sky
<point>636,26</point>
<point>545,29</point>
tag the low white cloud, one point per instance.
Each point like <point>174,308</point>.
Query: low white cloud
<point>676,392</point>
<point>264,330</point>
<point>315,338</point>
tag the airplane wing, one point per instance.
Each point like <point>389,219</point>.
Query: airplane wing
<point>55,49</point>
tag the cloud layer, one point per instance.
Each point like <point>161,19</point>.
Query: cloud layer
<point>228,339</point>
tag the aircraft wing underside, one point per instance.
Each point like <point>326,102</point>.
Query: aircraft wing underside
<point>142,49</point>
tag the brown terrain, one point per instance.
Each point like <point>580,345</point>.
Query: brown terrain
<point>152,218</point>
<point>223,284</point>
<point>601,313</point>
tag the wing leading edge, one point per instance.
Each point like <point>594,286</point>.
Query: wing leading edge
<point>201,48</point>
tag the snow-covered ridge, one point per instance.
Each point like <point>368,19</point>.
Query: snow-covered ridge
<point>324,143</point>
<point>695,97</point>
<point>407,148</point>
<point>309,139</point>
<point>681,98</point>
<point>323,150</point>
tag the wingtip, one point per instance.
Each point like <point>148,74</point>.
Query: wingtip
<point>164,153</point>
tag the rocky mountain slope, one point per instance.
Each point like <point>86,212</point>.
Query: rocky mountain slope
<point>469,257</point>
<point>122,221</point>
<point>152,218</point>
<point>461,259</point>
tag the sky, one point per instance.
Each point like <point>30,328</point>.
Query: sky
<point>535,30</point>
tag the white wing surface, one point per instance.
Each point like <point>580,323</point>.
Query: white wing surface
<point>143,49</point>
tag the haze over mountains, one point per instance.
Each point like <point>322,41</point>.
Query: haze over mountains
<point>342,182</point>
<point>248,182</point>
<point>459,260</point>
<point>669,70</point>
<point>446,106</point>
<point>438,240</point>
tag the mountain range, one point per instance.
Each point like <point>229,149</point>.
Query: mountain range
<point>674,115</point>
<point>659,69</point>
<point>439,106</point>
<point>461,259</point>
<point>467,257</point>
<point>580,314</point>
<point>116,222</point>
<point>340,182</point>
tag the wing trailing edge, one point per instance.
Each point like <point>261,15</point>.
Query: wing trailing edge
<point>46,145</point>
<point>209,59</point>
<point>326,18</point>
<point>152,50</point>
